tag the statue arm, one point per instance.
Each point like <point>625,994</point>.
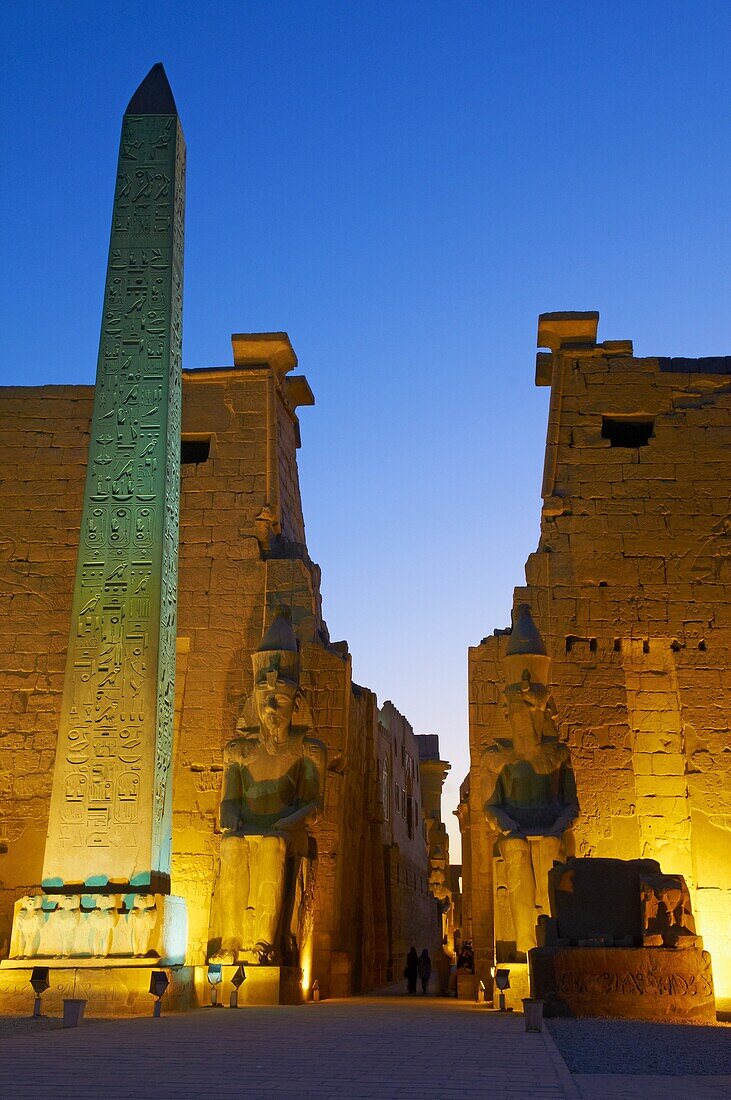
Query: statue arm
<point>569,799</point>
<point>501,821</point>
<point>231,797</point>
<point>309,802</point>
<point>496,815</point>
<point>299,815</point>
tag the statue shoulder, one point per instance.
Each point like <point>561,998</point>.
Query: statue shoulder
<point>496,755</point>
<point>240,750</point>
<point>315,750</point>
<point>557,753</point>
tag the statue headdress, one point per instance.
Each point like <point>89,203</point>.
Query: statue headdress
<point>278,652</point>
<point>525,649</point>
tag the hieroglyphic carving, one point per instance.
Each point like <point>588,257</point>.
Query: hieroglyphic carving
<point>110,810</point>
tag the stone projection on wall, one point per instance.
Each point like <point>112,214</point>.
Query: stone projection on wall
<point>532,801</point>
<point>274,782</point>
<point>109,827</point>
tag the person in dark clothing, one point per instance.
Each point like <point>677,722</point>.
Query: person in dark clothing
<point>424,970</point>
<point>411,971</point>
<point>466,958</point>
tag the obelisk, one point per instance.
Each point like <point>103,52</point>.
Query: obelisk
<point>110,816</point>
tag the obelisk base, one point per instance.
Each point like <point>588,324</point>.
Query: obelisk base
<point>113,990</point>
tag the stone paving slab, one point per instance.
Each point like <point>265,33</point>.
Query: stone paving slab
<point>359,1050</point>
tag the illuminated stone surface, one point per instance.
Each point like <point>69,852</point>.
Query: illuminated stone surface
<point>631,584</point>
<point>639,983</point>
<point>110,815</point>
<point>110,990</point>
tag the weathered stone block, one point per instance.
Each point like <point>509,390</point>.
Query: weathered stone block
<point>640,983</point>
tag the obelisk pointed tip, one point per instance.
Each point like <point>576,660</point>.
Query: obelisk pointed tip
<point>154,95</point>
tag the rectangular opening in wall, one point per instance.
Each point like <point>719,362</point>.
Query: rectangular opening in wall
<point>194,449</point>
<point>627,431</point>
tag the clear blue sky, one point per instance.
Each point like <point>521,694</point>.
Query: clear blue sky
<point>403,187</point>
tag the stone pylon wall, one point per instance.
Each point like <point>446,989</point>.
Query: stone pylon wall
<point>631,590</point>
<point>242,552</point>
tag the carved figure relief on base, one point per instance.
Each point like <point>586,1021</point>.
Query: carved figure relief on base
<point>83,926</point>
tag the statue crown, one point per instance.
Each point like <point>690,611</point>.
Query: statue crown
<point>278,652</point>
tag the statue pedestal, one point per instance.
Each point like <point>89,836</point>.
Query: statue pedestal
<point>466,985</point>
<point>264,985</point>
<point>637,983</point>
<point>119,988</point>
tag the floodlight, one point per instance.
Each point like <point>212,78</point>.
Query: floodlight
<point>237,981</point>
<point>215,976</point>
<point>502,979</point>
<point>315,990</point>
<point>40,983</point>
<point>159,982</point>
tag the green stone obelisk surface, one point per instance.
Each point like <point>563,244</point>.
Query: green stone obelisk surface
<point>110,814</point>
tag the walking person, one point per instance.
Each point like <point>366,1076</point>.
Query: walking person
<point>411,970</point>
<point>424,970</point>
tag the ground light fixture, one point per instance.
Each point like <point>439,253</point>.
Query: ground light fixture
<point>502,981</point>
<point>237,981</point>
<point>215,975</point>
<point>315,990</point>
<point>39,981</point>
<point>159,982</point>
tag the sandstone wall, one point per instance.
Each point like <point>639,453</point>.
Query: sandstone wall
<point>414,917</point>
<point>242,552</point>
<point>43,449</point>
<point>631,590</point>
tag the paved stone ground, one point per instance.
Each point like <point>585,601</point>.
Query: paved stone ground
<point>350,1050</point>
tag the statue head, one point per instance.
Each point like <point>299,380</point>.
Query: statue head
<point>526,671</point>
<point>276,678</point>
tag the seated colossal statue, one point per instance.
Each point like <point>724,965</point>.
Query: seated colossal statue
<point>273,785</point>
<point>531,790</point>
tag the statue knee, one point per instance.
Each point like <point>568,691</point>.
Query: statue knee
<point>274,847</point>
<point>515,851</point>
<point>233,848</point>
<point>554,848</point>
